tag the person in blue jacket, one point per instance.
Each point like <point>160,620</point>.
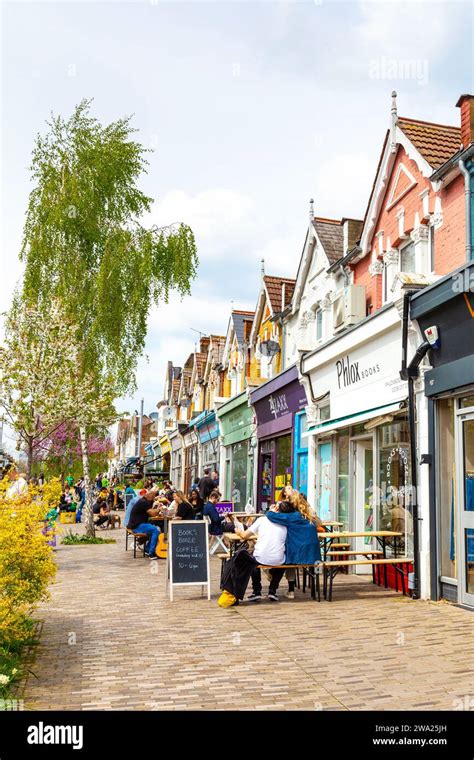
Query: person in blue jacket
<point>302,542</point>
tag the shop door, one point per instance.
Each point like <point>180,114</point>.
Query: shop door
<point>465,527</point>
<point>324,481</point>
<point>363,510</point>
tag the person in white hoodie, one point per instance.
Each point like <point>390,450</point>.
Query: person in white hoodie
<point>18,486</point>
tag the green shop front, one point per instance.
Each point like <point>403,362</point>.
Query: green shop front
<point>237,450</point>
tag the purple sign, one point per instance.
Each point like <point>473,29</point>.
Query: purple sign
<point>224,507</point>
<point>281,405</point>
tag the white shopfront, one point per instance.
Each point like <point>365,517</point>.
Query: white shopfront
<point>358,434</point>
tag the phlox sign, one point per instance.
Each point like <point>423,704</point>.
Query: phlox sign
<point>364,376</point>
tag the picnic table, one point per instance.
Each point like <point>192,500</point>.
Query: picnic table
<point>381,536</point>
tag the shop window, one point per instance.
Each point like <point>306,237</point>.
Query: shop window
<point>301,454</point>
<point>266,486</point>
<point>239,474</point>
<point>395,501</point>
<point>466,402</point>
<point>343,480</point>
<point>468,452</point>
<point>283,464</point>
<point>407,258</point>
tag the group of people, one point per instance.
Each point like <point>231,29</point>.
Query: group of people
<point>154,503</point>
<point>286,535</point>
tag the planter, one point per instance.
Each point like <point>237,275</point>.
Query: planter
<point>67,518</point>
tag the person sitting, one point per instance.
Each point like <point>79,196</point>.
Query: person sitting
<point>218,523</point>
<point>104,520</point>
<point>130,506</point>
<point>184,510</point>
<point>138,521</point>
<point>269,550</point>
<point>196,503</point>
<point>302,543</point>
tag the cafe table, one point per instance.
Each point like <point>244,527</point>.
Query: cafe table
<point>234,540</point>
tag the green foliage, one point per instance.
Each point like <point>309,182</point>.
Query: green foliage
<point>83,241</point>
<point>71,538</point>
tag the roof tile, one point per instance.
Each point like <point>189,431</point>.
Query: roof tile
<point>437,143</point>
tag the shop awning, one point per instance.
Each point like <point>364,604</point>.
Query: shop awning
<point>351,419</point>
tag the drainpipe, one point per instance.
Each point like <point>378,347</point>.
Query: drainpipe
<point>409,373</point>
<point>467,202</point>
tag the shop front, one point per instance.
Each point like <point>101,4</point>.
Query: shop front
<point>277,404</point>
<point>190,440</point>
<point>165,448</point>
<point>237,450</point>
<point>207,430</point>
<point>448,306</point>
<point>358,431</point>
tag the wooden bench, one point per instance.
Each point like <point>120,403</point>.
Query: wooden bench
<point>138,540</point>
<point>332,567</point>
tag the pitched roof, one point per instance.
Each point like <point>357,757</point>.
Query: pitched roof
<point>239,319</point>
<point>331,236</point>
<point>274,287</point>
<point>437,143</point>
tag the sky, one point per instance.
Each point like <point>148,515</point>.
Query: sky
<point>251,108</point>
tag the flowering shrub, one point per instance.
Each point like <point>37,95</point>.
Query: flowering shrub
<point>26,559</point>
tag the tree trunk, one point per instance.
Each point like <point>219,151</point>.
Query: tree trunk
<point>29,455</point>
<point>87,511</point>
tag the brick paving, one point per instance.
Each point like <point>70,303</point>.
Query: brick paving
<point>112,640</point>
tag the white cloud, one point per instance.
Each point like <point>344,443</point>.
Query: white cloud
<point>216,216</point>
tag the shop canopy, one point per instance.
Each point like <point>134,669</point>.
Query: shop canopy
<point>352,419</point>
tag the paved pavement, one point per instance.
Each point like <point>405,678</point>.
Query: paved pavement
<point>112,640</point>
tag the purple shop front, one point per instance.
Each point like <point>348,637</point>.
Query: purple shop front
<point>275,404</point>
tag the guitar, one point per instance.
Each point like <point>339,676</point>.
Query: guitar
<point>162,546</point>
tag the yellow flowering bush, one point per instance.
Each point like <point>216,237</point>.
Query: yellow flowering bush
<point>26,560</point>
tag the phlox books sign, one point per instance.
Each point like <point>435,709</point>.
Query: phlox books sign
<point>363,377</point>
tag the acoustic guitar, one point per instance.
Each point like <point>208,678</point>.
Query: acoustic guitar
<point>162,546</point>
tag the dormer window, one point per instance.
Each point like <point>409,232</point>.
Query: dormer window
<point>407,258</point>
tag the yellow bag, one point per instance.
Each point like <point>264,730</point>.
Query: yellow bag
<point>226,599</point>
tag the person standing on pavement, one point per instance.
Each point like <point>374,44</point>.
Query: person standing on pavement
<point>138,521</point>
<point>215,478</point>
<point>206,485</point>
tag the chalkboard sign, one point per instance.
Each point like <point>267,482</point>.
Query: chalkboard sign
<point>188,554</point>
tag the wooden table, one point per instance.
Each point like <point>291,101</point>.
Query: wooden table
<point>234,539</point>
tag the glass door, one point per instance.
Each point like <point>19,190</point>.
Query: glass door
<point>465,537</point>
<point>324,461</point>
<point>363,494</point>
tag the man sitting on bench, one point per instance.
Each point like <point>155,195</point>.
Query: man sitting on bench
<point>138,521</point>
<point>269,550</point>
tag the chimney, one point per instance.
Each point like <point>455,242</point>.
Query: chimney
<point>351,230</point>
<point>466,104</point>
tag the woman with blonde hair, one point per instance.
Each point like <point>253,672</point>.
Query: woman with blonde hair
<point>302,543</point>
<point>301,504</point>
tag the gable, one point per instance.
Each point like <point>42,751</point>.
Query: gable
<point>403,182</point>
